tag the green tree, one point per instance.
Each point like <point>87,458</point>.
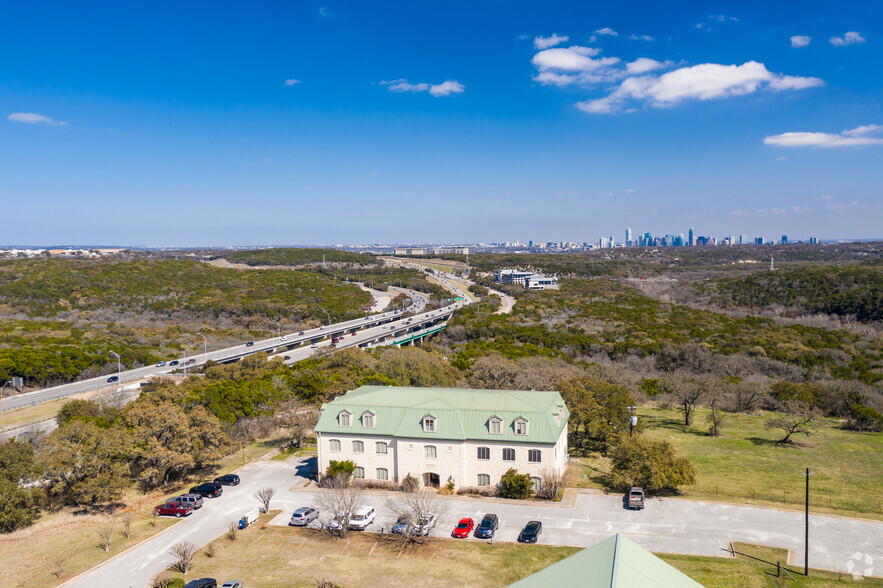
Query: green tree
<point>17,461</point>
<point>336,468</point>
<point>17,507</point>
<point>515,485</point>
<point>653,465</point>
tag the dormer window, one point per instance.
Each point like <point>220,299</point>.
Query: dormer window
<point>495,426</point>
<point>368,420</point>
<point>521,426</point>
<point>429,424</point>
<point>345,419</point>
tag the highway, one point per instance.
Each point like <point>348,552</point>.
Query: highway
<point>288,344</point>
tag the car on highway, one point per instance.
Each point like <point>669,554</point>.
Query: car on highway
<point>282,338</point>
<point>113,379</point>
<point>463,528</point>
<point>250,344</point>
<point>161,364</point>
<point>314,346</point>
<point>174,509</point>
<point>286,357</point>
<point>232,584</point>
<point>227,480</point>
<point>487,527</point>
<point>301,333</point>
<point>202,583</point>
<point>190,362</point>
<point>354,334</point>
<point>208,490</point>
<point>194,500</point>
<point>303,516</point>
<point>531,532</point>
<point>173,362</point>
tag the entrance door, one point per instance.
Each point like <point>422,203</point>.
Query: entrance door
<point>431,480</point>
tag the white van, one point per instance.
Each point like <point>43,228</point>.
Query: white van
<point>363,517</point>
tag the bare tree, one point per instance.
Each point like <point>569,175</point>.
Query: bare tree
<point>423,509</point>
<point>232,529</point>
<point>58,562</point>
<point>744,396</point>
<point>162,580</point>
<point>127,524</point>
<point>105,532</point>
<point>209,549</point>
<point>299,418</point>
<point>716,418</point>
<point>551,482</point>
<point>339,500</point>
<point>183,552</point>
<point>264,495</point>
<point>687,392</point>
<point>796,420</point>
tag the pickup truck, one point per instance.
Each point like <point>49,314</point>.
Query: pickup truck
<point>636,498</point>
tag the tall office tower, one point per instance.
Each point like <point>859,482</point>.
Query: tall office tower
<point>692,242</point>
<point>628,237</point>
<point>758,240</point>
<point>784,239</point>
<point>743,239</point>
<point>813,239</point>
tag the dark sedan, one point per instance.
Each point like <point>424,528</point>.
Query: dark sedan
<point>209,490</point>
<point>531,532</point>
<point>202,583</point>
<point>487,527</point>
<point>113,379</point>
<point>227,480</point>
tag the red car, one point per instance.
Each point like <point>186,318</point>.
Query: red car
<point>176,509</point>
<point>463,528</point>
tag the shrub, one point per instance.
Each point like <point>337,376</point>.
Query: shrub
<point>335,468</point>
<point>410,483</point>
<point>515,485</point>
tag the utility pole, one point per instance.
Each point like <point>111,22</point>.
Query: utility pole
<point>806,528</point>
<point>204,348</point>
<point>633,420</point>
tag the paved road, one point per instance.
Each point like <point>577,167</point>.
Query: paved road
<point>665,525</point>
<point>506,302</point>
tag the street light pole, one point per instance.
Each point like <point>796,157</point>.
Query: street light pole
<point>328,315</point>
<point>278,327</point>
<point>806,528</point>
<point>119,367</point>
<point>205,348</point>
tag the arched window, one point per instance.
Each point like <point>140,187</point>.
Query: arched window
<point>334,445</point>
<point>495,425</point>
<point>429,451</point>
<point>521,427</point>
<point>344,418</point>
<point>359,472</point>
<point>484,453</point>
<point>508,454</point>
<point>382,474</point>
<point>537,483</point>
<point>381,447</point>
<point>429,424</point>
<point>368,420</point>
<point>534,456</point>
<point>484,480</point>
<point>358,447</point>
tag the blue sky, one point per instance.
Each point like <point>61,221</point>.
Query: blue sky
<point>227,123</point>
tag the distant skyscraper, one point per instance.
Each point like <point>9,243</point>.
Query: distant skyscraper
<point>743,239</point>
<point>758,240</point>
<point>784,239</point>
<point>692,242</point>
<point>628,237</point>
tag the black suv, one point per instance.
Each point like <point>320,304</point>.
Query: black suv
<point>487,527</point>
<point>202,583</point>
<point>227,480</point>
<point>208,490</point>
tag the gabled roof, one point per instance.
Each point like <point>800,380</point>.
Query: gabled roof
<point>615,562</point>
<point>461,414</point>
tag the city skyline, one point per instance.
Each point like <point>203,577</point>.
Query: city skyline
<point>341,122</point>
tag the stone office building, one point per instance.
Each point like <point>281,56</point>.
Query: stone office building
<point>471,437</point>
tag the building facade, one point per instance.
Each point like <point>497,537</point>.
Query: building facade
<point>442,435</point>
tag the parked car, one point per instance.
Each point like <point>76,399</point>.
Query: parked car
<point>227,480</point>
<point>232,584</point>
<point>487,527</point>
<point>250,344</point>
<point>113,379</point>
<point>202,583</point>
<point>463,528</point>
<point>194,500</point>
<point>427,523</point>
<point>173,362</point>
<point>175,509</point>
<point>303,516</point>
<point>636,498</point>
<point>363,517</point>
<point>208,490</point>
<point>161,364</point>
<point>402,525</point>
<point>531,532</point>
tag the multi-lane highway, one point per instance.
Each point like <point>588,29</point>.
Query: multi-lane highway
<point>295,346</point>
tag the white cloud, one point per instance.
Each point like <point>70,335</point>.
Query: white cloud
<point>551,41</point>
<point>851,138</point>
<point>645,64</point>
<point>574,65</point>
<point>705,81</point>
<point>446,88</point>
<point>640,38</point>
<point>850,38</point>
<point>607,31</point>
<point>798,41</point>
<point>33,118</point>
<point>291,82</point>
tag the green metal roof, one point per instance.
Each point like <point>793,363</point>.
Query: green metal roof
<point>615,562</point>
<point>461,414</point>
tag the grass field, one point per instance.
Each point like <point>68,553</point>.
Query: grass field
<point>31,414</point>
<point>280,556</point>
<point>746,466</point>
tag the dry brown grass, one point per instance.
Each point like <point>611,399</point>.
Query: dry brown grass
<point>281,556</point>
<point>28,555</point>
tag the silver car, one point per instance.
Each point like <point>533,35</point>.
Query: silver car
<point>194,500</point>
<point>303,516</point>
